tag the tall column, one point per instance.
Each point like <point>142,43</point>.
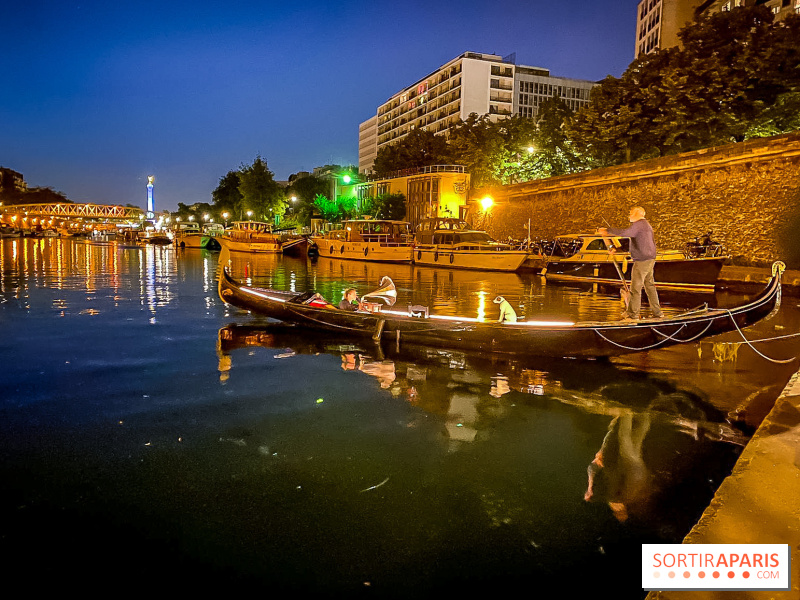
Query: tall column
<point>150,208</point>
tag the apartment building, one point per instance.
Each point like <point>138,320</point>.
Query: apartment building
<point>485,84</point>
<point>659,21</point>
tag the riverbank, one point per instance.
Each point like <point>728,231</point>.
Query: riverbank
<point>753,279</point>
<point>759,503</point>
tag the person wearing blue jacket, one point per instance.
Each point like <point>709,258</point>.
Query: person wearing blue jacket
<point>643,254</point>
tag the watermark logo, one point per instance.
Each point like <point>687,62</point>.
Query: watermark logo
<point>716,567</point>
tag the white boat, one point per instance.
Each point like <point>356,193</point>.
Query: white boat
<point>251,236</point>
<point>586,258</point>
<point>368,239</point>
<point>189,235</point>
<point>450,242</point>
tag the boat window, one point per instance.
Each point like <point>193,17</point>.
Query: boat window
<point>475,236</point>
<point>443,238</point>
<point>598,244</point>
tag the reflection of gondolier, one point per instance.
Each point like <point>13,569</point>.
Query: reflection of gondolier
<point>618,472</point>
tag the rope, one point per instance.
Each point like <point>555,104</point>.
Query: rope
<point>764,356</point>
<point>656,345</point>
<point>689,340</point>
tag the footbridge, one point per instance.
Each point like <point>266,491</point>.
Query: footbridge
<point>75,211</point>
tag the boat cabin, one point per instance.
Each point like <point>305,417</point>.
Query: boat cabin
<point>450,231</point>
<point>565,246</point>
<point>373,230</point>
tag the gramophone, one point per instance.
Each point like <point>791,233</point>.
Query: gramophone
<point>385,292</point>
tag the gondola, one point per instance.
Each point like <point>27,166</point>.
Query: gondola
<point>529,337</point>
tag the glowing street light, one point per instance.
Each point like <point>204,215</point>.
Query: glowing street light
<point>487,202</point>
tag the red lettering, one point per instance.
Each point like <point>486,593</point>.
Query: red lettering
<point>757,561</point>
<point>734,559</point>
<point>671,558</point>
<point>721,561</point>
<point>745,561</point>
<point>709,558</point>
<point>775,561</point>
<point>657,559</point>
<point>681,560</point>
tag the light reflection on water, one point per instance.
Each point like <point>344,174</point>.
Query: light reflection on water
<point>224,449</point>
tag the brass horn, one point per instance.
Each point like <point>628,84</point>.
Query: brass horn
<point>386,292</point>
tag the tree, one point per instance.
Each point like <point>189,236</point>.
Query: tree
<point>388,206</point>
<point>335,210</point>
<point>736,76</point>
<point>227,198</point>
<point>260,192</point>
<point>306,188</point>
<point>420,148</point>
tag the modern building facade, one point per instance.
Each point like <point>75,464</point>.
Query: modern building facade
<point>484,84</point>
<point>438,190</point>
<point>659,21</point>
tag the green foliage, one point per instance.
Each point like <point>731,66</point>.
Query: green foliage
<point>387,206</point>
<point>227,197</point>
<point>420,148</point>
<point>260,192</point>
<point>737,76</point>
<point>336,210</point>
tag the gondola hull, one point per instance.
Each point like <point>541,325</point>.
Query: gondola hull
<point>587,339</point>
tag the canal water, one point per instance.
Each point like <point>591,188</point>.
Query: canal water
<point>155,439</point>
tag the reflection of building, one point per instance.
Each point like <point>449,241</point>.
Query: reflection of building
<point>484,84</point>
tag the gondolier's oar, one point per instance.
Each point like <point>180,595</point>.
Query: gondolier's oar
<point>625,293</point>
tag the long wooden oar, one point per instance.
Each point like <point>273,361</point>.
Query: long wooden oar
<point>625,292</point>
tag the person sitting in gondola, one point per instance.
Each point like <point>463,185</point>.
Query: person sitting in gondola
<point>351,301</point>
<point>507,314</point>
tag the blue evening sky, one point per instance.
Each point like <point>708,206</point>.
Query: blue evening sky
<point>95,96</point>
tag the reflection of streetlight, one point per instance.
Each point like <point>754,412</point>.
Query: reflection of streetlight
<point>225,216</point>
<point>205,217</point>
<point>249,213</point>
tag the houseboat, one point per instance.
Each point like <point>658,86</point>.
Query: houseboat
<point>251,236</point>
<point>368,239</point>
<point>450,242</point>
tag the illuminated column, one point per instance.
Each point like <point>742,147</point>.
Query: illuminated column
<point>150,209</point>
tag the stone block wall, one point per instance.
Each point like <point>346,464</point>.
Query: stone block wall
<point>747,194</point>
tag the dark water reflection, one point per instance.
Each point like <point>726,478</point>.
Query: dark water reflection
<point>154,438</point>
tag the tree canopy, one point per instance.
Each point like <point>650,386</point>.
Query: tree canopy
<point>736,76</point>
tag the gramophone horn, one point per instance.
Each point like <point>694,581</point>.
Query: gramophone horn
<point>386,292</point>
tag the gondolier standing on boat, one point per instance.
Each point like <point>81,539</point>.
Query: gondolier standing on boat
<point>643,254</point>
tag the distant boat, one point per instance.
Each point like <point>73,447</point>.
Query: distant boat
<point>190,235</point>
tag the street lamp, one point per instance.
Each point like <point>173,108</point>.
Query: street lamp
<point>225,216</point>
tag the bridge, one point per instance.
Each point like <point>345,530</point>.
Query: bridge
<point>70,211</point>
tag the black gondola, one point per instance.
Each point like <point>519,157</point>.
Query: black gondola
<point>535,338</point>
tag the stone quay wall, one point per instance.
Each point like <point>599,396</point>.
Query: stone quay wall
<point>747,194</point>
